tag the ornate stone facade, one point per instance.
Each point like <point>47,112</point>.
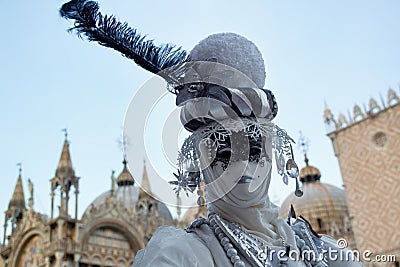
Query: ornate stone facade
<point>113,228</point>
<point>367,145</point>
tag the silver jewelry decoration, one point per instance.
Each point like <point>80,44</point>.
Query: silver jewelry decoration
<point>284,158</point>
<point>232,238</point>
<point>186,181</point>
<point>235,140</point>
<point>307,239</point>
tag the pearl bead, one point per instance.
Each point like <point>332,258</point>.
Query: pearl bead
<point>235,258</point>
<point>239,264</point>
<point>231,252</point>
<point>228,246</point>
<point>224,241</point>
<point>212,222</point>
<point>221,235</point>
<point>217,231</point>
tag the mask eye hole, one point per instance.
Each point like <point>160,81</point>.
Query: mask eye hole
<point>179,87</point>
<point>255,150</point>
<point>224,153</point>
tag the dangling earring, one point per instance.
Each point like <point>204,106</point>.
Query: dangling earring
<point>200,200</point>
<point>283,150</point>
<point>280,163</point>
<point>293,171</point>
<point>298,192</point>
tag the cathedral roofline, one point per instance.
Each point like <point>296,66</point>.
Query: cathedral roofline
<point>359,115</point>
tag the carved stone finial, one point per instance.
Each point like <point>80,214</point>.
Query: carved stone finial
<point>330,123</point>
<point>392,98</point>
<point>342,121</point>
<point>373,107</point>
<point>357,113</point>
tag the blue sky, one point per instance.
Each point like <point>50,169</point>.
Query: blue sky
<point>343,52</point>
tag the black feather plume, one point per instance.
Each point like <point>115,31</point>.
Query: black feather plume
<point>109,32</point>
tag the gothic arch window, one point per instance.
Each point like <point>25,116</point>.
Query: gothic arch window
<point>84,261</point>
<point>109,262</point>
<point>105,245</point>
<point>122,263</point>
<point>96,261</point>
<point>145,207</point>
<point>32,253</point>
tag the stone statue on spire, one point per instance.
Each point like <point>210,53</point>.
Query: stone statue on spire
<point>113,181</point>
<point>30,200</point>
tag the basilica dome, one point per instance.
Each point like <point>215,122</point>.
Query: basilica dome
<point>322,204</point>
<point>127,194</point>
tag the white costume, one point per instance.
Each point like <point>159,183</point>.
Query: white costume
<point>242,222</point>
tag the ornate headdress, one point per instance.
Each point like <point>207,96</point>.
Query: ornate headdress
<point>218,85</point>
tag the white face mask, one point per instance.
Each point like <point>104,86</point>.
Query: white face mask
<point>240,183</point>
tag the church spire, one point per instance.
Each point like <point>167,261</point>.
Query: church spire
<point>65,163</point>
<point>17,202</point>
<point>16,206</point>
<point>145,189</point>
<point>64,179</point>
<point>125,178</point>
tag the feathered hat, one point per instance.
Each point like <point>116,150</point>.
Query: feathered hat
<point>221,79</point>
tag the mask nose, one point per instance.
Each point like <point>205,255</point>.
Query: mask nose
<point>260,172</point>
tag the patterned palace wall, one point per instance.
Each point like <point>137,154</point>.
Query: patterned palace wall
<point>369,159</point>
